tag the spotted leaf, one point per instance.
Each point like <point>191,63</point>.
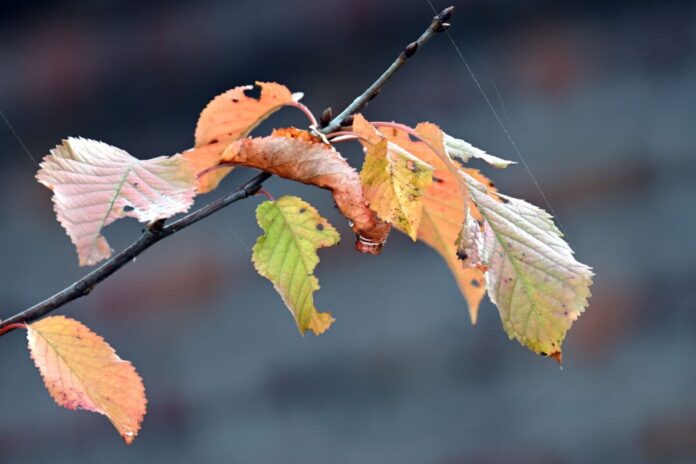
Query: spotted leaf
<point>287,254</point>
<point>231,116</point>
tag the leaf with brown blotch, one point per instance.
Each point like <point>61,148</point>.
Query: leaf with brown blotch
<point>94,184</point>
<point>297,155</point>
<point>393,179</point>
<point>81,371</point>
<point>228,117</point>
<point>470,244</point>
<point>444,211</point>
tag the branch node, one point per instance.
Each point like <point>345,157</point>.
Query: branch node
<point>83,288</point>
<point>156,227</point>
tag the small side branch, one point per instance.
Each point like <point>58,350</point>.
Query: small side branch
<point>158,230</point>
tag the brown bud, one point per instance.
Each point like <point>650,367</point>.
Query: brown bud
<point>411,49</point>
<point>325,117</point>
<point>445,14</point>
<point>347,121</point>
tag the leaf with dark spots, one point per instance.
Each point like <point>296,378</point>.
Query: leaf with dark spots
<point>229,117</point>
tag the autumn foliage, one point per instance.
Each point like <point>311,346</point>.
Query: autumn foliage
<point>417,180</point>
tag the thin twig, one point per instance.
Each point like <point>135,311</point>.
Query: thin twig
<point>438,24</point>
<point>158,231</point>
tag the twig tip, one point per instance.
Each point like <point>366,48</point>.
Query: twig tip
<point>446,14</point>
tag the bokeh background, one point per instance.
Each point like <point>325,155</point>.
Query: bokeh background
<point>600,97</point>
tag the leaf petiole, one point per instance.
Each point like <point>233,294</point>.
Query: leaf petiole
<point>9,327</point>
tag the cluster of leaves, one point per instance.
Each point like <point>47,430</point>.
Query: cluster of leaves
<point>416,180</point>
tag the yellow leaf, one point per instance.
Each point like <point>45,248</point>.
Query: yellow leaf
<point>81,371</point>
<point>228,117</point>
<point>287,254</point>
<point>394,180</point>
<point>444,211</point>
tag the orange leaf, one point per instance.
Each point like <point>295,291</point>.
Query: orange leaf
<point>297,155</point>
<point>444,210</point>
<point>228,117</point>
<point>81,371</point>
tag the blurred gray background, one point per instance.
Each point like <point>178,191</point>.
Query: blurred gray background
<point>599,96</point>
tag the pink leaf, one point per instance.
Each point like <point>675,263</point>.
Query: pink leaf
<point>94,184</point>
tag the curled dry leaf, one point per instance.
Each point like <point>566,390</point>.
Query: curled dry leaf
<point>81,371</point>
<point>94,184</point>
<point>228,117</point>
<point>287,254</point>
<point>393,179</point>
<point>444,209</point>
<point>297,155</point>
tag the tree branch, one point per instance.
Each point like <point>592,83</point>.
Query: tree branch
<point>438,24</point>
<point>158,231</point>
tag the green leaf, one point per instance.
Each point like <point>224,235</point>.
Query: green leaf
<point>458,148</point>
<point>394,182</point>
<point>533,278</point>
<point>287,254</point>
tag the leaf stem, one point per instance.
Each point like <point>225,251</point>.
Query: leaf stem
<point>9,327</point>
<point>344,138</point>
<point>306,111</point>
<point>340,133</point>
<point>266,194</point>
